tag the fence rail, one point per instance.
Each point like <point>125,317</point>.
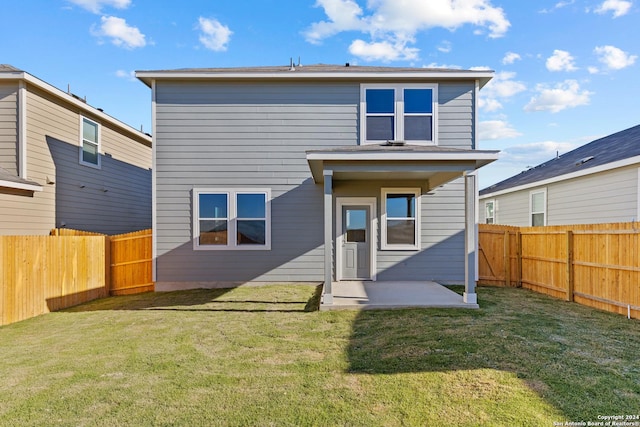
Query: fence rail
<point>593,264</point>
<point>41,274</point>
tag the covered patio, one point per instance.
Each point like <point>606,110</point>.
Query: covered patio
<point>432,166</point>
<point>388,295</point>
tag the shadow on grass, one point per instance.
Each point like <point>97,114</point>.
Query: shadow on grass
<point>582,361</point>
<point>210,300</point>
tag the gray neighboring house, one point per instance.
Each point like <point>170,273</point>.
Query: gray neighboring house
<point>596,183</point>
<point>64,163</point>
<point>317,173</point>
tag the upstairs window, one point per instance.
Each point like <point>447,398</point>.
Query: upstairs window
<point>538,208</point>
<point>398,113</point>
<point>90,143</point>
<point>232,219</point>
<point>489,212</point>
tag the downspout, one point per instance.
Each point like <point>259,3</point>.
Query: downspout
<point>154,222</point>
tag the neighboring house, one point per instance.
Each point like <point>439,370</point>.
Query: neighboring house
<point>64,163</point>
<point>314,174</point>
<point>596,183</point>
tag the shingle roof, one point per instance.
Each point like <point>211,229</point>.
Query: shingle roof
<point>314,68</point>
<point>5,175</point>
<point>618,146</point>
<point>8,68</point>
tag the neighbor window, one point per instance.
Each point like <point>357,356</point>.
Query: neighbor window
<point>398,113</point>
<point>538,208</point>
<point>232,219</point>
<point>90,144</point>
<point>489,212</point>
<point>400,218</point>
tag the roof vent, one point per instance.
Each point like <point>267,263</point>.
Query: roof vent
<point>347,64</point>
<point>395,143</point>
<point>584,160</point>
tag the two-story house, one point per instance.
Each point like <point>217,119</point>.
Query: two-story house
<point>64,163</point>
<point>318,173</point>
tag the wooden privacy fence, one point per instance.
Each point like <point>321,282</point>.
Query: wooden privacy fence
<point>41,274</point>
<point>594,264</point>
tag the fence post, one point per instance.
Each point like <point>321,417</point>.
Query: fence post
<point>569,265</point>
<point>107,265</point>
<point>507,260</point>
<point>519,257</point>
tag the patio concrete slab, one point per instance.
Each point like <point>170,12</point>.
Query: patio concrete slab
<point>363,295</point>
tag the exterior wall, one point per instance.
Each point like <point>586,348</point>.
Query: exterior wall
<point>53,141</point>
<point>235,135</point>
<point>610,196</point>
<point>9,127</point>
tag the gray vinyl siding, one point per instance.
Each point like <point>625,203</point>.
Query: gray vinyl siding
<point>246,135</point>
<point>9,127</point>
<point>72,193</point>
<point>455,115</point>
<point>610,196</point>
<point>604,197</point>
<point>254,135</point>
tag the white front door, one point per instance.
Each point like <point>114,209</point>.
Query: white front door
<point>356,235</point>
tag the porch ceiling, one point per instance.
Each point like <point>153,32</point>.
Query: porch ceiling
<point>432,164</point>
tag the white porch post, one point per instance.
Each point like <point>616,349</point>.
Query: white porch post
<point>471,241</point>
<point>328,236</point>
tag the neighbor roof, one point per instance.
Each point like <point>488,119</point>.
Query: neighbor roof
<point>9,72</point>
<point>7,179</point>
<point>323,71</point>
<point>620,146</point>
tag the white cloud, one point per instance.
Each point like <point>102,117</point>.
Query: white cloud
<point>618,7</point>
<point>383,51</point>
<point>561,60</point>
<point>614,58</point>
<point>445,47</point>
<point>593,70</point>
<point>96,6</point>
<point>558,5</point>
<point>535,153</point>
<point>562,96</point>
<point>128,75</point>
<point>502,86</point>
<point>496,129</point>
<point>390,23</point>
<point>435,65</point>
<point>121,34</point>
<point>510,58</point>
<point>214,36</point>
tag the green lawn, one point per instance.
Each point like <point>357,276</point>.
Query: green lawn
<point>264,356</point>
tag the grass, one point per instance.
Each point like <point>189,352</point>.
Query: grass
<point>262,356</point>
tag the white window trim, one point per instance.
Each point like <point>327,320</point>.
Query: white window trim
<point>373,231</point>
<point>399,110</point>
<point>493,202</point>
<point>232,217</point>
<point>544,203</point>
<point>383,218</point>
<point>99,144</point>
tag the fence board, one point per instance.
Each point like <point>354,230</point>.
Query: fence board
<point>594,264</point>
<point>41,274</point>
<point>131,260</point>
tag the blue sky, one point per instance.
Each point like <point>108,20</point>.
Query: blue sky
<point>566,71</point>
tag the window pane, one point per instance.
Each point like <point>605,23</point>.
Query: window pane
<point>213,232</point>
<point>251,205</point>
<point>537,219</point>
<point>356,225</point>
<point>380,128</point>
<point>213,206</point>
<point>401,206</point>
<point>418,101</point>
<point>251,232</point>
<point>401,232</point>
<point>417,128</point>
<point>537,202</point>
<point>489,210</point>
<point>380,101</point>
<point>89,131</point>
<point>90,153</point>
